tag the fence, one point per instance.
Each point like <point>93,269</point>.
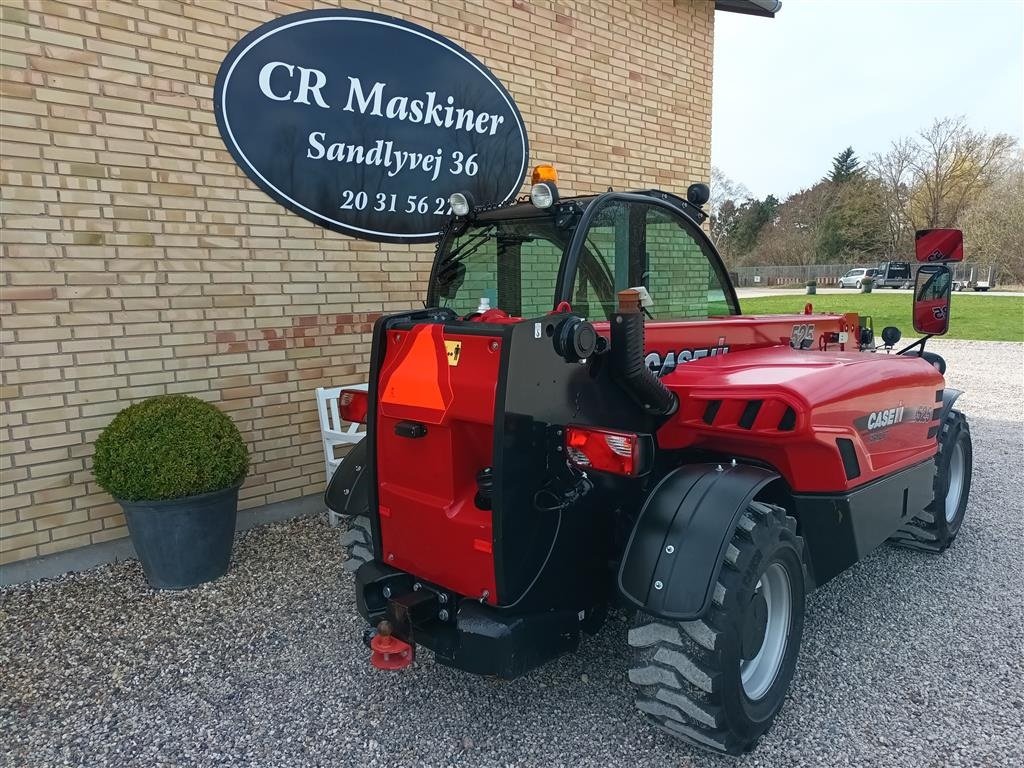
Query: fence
<point>829,274</point>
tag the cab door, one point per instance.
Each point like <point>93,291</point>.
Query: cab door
<point>627,241</point>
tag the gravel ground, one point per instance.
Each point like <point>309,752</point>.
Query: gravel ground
<point>907,660</point>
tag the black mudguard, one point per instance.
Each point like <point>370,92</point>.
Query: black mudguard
<point>348,491</point>
<point>949,397</point>
<point>692,511</point>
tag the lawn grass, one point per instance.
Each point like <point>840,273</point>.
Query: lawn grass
<point>987,317</point>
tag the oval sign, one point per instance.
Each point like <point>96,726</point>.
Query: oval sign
<point>366,124</point>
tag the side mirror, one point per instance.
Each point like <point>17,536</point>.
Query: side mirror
<point>932,291</point>
<point>939,245</point>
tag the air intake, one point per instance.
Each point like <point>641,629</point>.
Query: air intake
<point>849,456</point>
<point>788,420</point>
<point>750,412</point>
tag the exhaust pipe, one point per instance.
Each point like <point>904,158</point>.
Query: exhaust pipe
<point>628,368</point>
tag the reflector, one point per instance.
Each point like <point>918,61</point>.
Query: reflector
<point>353,405</point>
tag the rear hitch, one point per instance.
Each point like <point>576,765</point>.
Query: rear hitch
<point>404,613</point>
<point>389,653</point>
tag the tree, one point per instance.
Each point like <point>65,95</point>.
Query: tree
<point>931,180</point>
<point>827,224</point>
<point>723,208</point>
<point>854,227</point>
<point>735,217</point>
<point>722,224</point>
<point>792,238</point>
<point>892,171</point>
<point>994,225</point>
<point>845,167</point>
<point>955,165</point>
<point>723,190</point>
<point>750,219</point>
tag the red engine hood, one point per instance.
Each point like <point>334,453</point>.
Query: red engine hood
<point>789,407</point>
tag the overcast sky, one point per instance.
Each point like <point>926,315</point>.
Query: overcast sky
<point>793,91</point>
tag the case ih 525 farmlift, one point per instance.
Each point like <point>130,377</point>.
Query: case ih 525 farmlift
<point>581,418</point>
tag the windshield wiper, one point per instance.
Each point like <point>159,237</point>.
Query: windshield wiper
<point>471,246</point>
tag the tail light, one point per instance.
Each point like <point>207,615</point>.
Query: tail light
<point>621,453</point>
<point>354,404</point>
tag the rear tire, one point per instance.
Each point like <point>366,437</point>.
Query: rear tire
<point>859,285</point>
<point>357,544</point>
<point>719,682</point>
<point>935,529</point>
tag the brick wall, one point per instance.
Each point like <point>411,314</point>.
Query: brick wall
<point>138,260</point>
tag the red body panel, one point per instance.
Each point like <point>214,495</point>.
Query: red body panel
<point>743,358</point>
<point>850,395</point>
<point>739,332</point>
<point>429,523</point>
<point>431,526</point>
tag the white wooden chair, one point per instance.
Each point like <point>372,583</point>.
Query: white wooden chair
<point>334,432</point>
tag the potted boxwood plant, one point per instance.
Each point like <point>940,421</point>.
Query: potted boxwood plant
<point>866,284</point>
<point>812,286</point>
<point>175,464</point>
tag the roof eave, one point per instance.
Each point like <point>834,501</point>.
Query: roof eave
<point>767,8</point>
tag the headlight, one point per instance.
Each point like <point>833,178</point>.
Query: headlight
<point>459,201</point>
<point>543,195</point>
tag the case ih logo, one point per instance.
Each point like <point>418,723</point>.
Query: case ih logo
<point>880,419</point>
<point>672,359</point>
<point>886,418</point>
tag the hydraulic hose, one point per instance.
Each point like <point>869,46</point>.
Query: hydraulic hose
<point>628,368</point>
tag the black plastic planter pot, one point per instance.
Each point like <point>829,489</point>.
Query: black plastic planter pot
<point>184,542</point>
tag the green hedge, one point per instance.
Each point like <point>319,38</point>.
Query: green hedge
<point>168,447</point>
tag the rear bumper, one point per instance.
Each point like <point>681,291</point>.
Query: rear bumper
<point>476,638</point>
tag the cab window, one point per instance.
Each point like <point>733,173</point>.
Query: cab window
<point>513,264</point>
<point>638,244</point>
<point>936,287</point>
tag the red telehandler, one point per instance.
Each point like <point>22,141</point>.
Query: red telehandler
<point>581,419</point>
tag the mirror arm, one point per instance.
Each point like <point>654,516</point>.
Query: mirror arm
<point>919,343</point>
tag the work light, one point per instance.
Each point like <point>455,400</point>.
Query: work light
<point>459,201</point>
<point>544,195</point>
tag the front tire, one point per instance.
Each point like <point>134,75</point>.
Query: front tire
<point>935,529</point>
<point>719,682</point>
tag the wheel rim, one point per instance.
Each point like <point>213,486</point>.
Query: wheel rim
<point>758,674</point>
<point>956,482</point>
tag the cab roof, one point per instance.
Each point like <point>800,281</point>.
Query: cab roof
<point>522,208</point>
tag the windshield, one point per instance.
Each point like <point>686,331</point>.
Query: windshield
<point>513,264</point>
